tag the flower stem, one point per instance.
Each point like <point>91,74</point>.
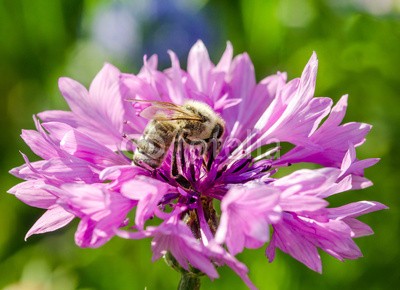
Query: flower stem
<point>189,281</point>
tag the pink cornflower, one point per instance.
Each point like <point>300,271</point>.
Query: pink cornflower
<point>87,170</point>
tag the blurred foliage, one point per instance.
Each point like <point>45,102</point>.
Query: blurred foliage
<point>357,44</point>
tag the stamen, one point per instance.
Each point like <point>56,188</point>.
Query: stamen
<point>241,166</point>
<point>144,165</point>
<point>219,173</point>
<point>182,181</point>
<point>244,143</point>
<point>192,170</point>
<point>241,155</point>
<point>162,175</point>
<point>268,153</point>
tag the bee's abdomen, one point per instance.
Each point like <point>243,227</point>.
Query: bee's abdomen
<point>153,145</point>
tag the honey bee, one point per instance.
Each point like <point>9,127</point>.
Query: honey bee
<point>194,123</point>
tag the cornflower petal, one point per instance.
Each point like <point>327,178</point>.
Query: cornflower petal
<point>32,193</point>
<point>53,219</point>
<point>349,212</point>
<point>290,241</point>
<point>222,257</point>
<point>354,167</point>
<point>98,113</point>
<point>242,82</point>
<point>292,106</point>
<point>39,145</point>
<point>247,212</point>
<point>175,237</point>
<point>57,170</point>
<point>305,227</point>
<point>331,138</point>
<point>101,210</point>
<point>148,192</point>
<point>199,67</point>
<point>85,148</point>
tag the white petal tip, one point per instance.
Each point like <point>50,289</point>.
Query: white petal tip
<point>314,56</point>
<point>199,44</point>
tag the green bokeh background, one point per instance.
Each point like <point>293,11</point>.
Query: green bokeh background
<point>359,53</point>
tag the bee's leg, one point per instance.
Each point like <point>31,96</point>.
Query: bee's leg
<point>213,146</point>
<point>211,153</point>
<point>179,178</point>
<point>174,166</point>
<point>144,165</point>
<point>182,151</point>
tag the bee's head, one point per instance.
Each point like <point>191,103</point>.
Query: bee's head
<point>212,124</point>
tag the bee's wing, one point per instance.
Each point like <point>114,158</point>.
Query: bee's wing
<point>164,111</point>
